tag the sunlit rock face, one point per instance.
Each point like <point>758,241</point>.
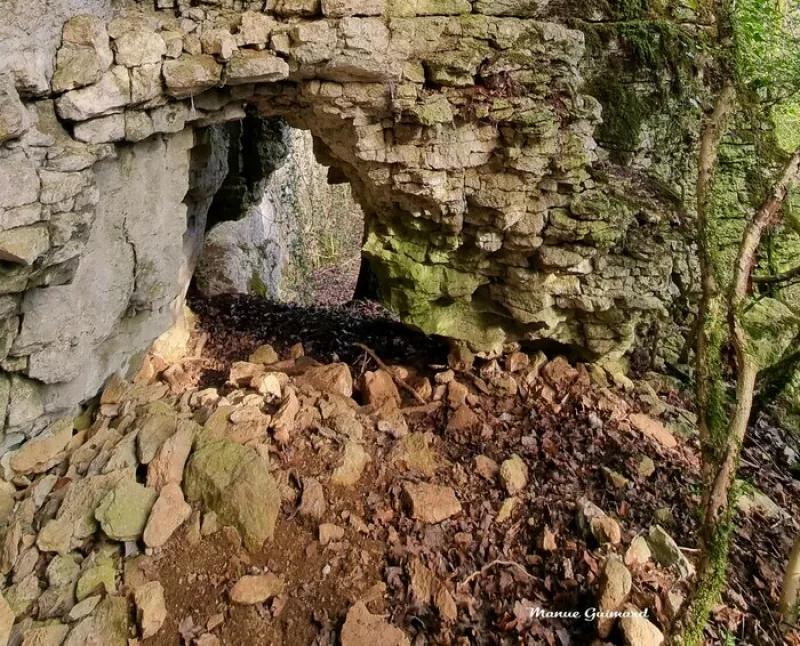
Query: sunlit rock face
<point>467,131</point>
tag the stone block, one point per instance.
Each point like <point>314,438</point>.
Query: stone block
<point>134,48</point>
<point>250,66</point>
<point>13,116</point>
<point>190,75</point>
<point>24,245</point>
<point>111,93</point>
<point>102,130</point>
<point>19,183</point>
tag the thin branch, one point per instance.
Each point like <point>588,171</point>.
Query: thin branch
<point>746,364</point>
<point>713,131</point>
<point>778,278</point>
<point>397,379</point>
<point>489,566</point>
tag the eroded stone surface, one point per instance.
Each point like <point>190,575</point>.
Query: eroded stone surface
<point>483,220</point>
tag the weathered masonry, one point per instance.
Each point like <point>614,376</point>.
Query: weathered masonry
<point>501,200</point>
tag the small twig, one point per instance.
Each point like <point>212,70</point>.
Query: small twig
<point>488,566</point>
<point>397,379</point>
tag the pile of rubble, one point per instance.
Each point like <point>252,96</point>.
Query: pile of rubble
<point>87,501</point>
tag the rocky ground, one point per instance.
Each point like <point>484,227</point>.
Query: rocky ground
<point>282,485</point>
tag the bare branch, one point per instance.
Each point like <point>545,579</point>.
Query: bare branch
<point>778,278</point>
<point>713,131</point>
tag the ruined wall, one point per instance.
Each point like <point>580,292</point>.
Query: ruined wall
<point>466,129</point>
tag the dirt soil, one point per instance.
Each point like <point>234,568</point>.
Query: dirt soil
<point>567,428</point>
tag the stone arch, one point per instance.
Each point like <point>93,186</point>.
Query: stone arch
<point>464,128</point>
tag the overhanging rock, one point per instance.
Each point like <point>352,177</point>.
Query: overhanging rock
<point>466,130</point>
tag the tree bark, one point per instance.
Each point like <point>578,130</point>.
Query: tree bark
<point>718,521</point>
<point>790,594</point>
<point>708,311</point>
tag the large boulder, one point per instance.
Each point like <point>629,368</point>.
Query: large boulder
<point>233,480</point>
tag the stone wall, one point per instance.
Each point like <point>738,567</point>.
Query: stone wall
<point>466,130</point>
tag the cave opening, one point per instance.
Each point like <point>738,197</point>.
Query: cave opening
<point>266,217</point>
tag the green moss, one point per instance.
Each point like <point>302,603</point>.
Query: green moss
<point>432,112</point>
<point>711,582</point>
<point>257,286</point>
<point>624,112</point>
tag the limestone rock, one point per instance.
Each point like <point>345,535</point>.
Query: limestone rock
<point>431,503</point>
<point>614,588</point>
<point>156,424</point>
<point>85,54</point>
<point>124,510</point>
<point>76,517</point>
<point>264,354</point>
<point>666,551</point>
<point>151,609</point>
<point>514,474</point>
<point>145,82</point>
<point>248,424</point>
<point>219,42</point>
<point>751,500</point>
<point>108,625</point>
<point>269,385</point>
<point>283,423</point>
<point>101,577</point>
<point>110,93</point>
<point>6,620</point>
<point>167,467</point>
<point>638,553</point>
<point>13,116</point>
<point>518,8</point>
<point>233,480</point>
<point>24,402</point>
<point>134,48</point>
<point>378,389</point>
<point>102,130</point>
<point>345,8</point>
<point>353,464</point>
<point>606,530</point>
<point>332,378</point>
<point>329,532</point>
<point>638,630</point>
<point>190,75</point>
<point>312,503</point>
<point>24,245</point>
<point>169,512</point>
<point>84,608</point>
<point>364,629</point>
<point>654,429</point>
<point>456,394</point>
<point>49,635</point>
<point>506,509</point>
<point>62,570</point>
<point>464,419</point>
<point>19,182</point>
<point>251,590</point>
<point>412,452</point>
<point>290,8</point>
<point>486,468</point>
<point>254,30</point>
<point>43,452</point>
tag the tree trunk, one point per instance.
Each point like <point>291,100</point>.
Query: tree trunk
<point>790,595</point>
<point>718,516</point>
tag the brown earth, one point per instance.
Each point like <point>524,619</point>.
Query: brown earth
<point>567,429</point>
